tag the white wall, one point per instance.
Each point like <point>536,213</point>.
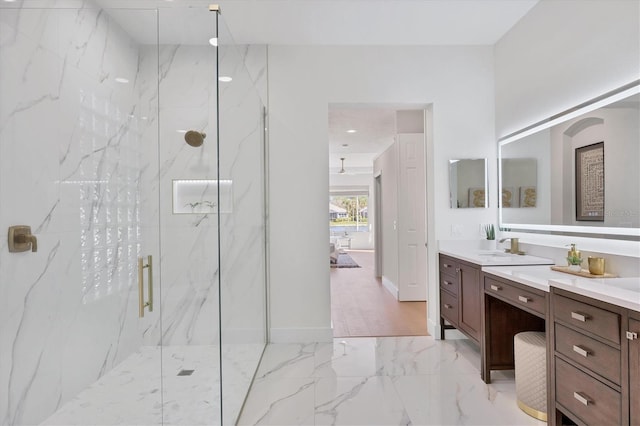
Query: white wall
<point>562,53</point>
<point>303,80</point>
<point>386,165</point>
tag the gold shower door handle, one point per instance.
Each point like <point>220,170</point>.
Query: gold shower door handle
<point>141,303</point>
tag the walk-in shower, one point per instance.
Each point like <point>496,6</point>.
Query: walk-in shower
<point>145,300</point>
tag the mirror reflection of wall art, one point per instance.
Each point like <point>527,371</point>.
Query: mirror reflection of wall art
<point>528,196</point>
<point>590,182</point>
<point>508,198</point>
<point>476,197</point>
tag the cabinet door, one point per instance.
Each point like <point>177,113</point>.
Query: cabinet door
<point>634,372</point>
<point>469,300</point>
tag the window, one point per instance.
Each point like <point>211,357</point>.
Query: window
<point>348,213</point>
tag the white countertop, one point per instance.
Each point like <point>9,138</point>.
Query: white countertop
<point>623,292</point>
<point>536,276</point>
<point>494,257</point>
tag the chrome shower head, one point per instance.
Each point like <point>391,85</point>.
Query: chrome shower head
<point>194,138</point>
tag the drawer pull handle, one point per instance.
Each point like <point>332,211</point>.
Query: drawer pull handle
<point>447,282</point>
<point>495,287</point>
<point>583,399</point>
<point>523,299</point>
<point>579,317</point>
<point>448,306</point>
<point>446,265</point>
<point>579,350</point>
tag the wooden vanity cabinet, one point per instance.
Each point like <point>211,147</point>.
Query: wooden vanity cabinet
<point>460,294</point>
<point>633,337</point>
<point>508,308</point>
<point>595,359</point>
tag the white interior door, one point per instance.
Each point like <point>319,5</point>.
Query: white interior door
<point>412,253</point>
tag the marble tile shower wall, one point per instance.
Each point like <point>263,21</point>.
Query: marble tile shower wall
<point>242,232</point>
<point>189,260</point>
<point>74,166</point>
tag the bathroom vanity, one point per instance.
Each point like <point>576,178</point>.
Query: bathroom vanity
<point>595,351</point>
<point>461,288</point>
<point>592,328</point>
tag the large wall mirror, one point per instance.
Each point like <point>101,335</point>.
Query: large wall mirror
<point>468,183</point>
<point>577,172</point>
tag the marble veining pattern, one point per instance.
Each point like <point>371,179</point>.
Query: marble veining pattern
<point>379,381</point>
<point>100,156</point>
<point>135,393</point>
<point>72,169</point>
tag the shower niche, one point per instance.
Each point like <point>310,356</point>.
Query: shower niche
<point>201,196</point>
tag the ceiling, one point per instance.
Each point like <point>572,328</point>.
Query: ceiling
<point>332,22</point>
<point>372,22</point>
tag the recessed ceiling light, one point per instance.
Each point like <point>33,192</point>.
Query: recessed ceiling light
<point>181,131</point>
<point>225,78</point>
<point>121,80</point>
<point>344,145</point>
<point>213,41</point>
<point>351,131</point>
<point>9,1</point>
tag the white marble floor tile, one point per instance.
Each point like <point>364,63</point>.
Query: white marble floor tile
<point>379,382</point>
<point>135,393</point>
<point>394,356</point>
<point>287,360</point>
<point>347,358</point>
<point>280,401</point>
<point>459,399</point>
<point>358,401</point>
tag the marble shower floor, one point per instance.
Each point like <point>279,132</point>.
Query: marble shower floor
<point>379,381</point>
<point>132,392</point>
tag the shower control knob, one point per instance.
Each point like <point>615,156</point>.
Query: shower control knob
<point>21,239</point>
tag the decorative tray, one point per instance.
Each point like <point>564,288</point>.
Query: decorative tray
<point>581,273</point>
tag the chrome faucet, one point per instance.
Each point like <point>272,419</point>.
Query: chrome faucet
<point>514,248</point>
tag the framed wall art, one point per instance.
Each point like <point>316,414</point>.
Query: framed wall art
<point>590,182</point>
<point>528,196</point>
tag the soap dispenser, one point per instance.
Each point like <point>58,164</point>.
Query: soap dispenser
<point>574,258</point>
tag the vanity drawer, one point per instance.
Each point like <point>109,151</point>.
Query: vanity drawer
<point>449,284</point>
<point>598,357</point>
<point>448,265</point>
<point>514,294</point>
<point>588,399</point>
<point>586,317</point>
<point>449,308</point>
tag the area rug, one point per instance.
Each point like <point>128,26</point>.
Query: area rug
<point>345,261</point>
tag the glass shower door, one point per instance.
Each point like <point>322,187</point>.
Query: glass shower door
<point>189,210</point>
<point>79,166</point>
<point>242,88</point>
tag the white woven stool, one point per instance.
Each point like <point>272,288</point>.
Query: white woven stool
<point>530,355</point>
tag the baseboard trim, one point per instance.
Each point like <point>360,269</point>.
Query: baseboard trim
<point>389,285</point>
<point>301,335</point>
<point>433,328</point>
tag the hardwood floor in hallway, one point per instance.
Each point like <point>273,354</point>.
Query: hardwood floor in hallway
<point>362,307</point>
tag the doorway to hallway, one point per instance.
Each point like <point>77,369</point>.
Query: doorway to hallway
<point>361,306</point>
